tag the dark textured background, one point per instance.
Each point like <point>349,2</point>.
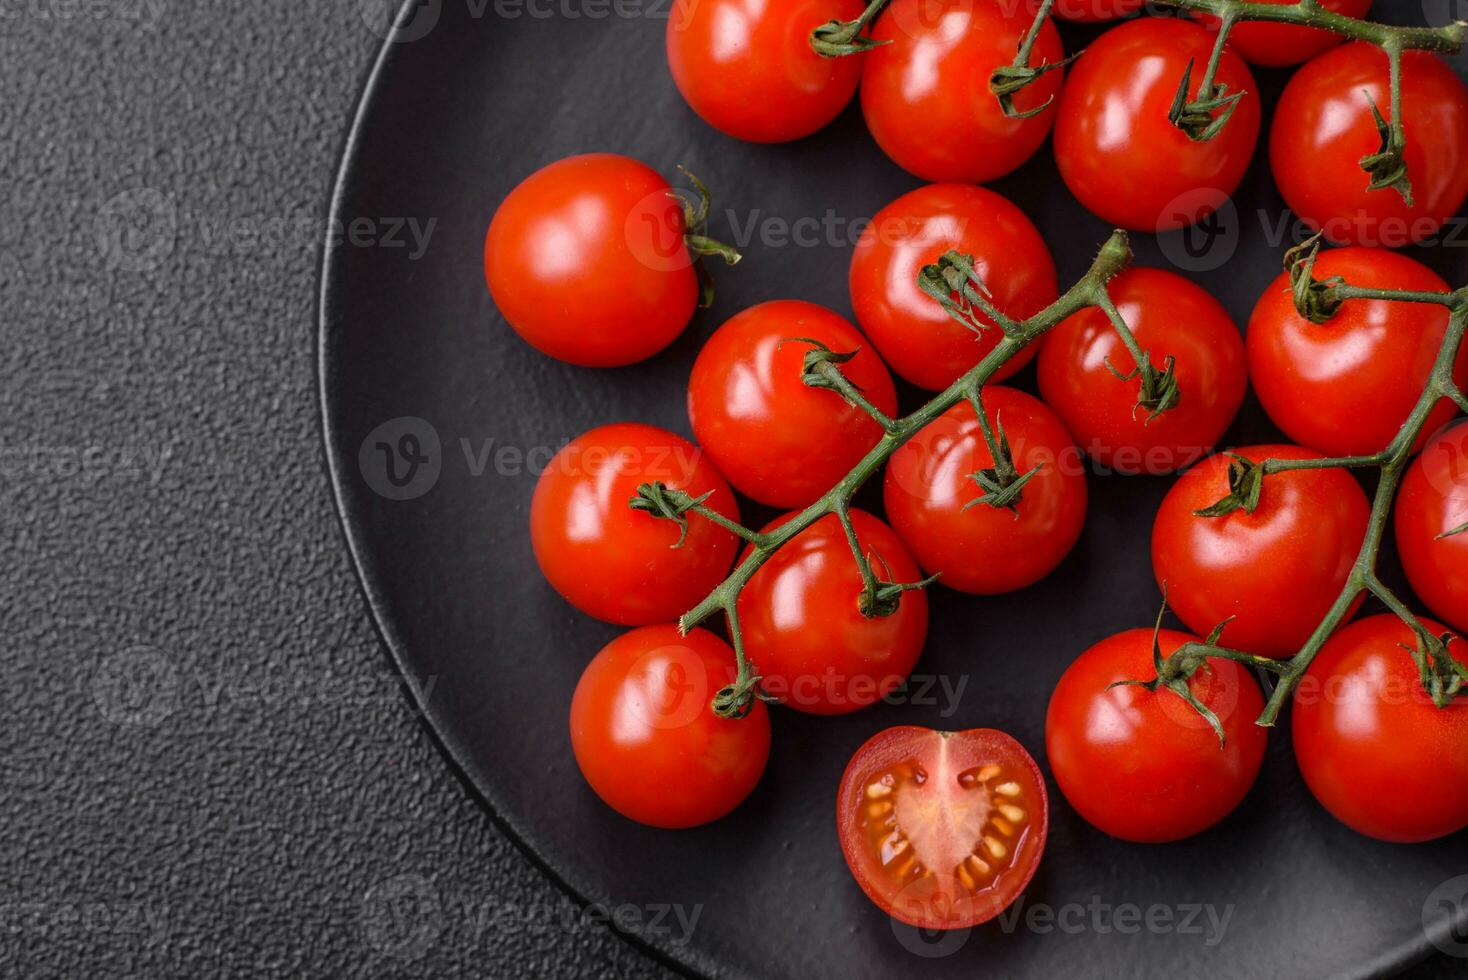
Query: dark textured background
<point>206,764</point>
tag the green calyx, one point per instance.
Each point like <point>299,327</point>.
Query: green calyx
<point>1442,676</point>
<point>1159,389</point>
<point>953,284</point>
<point>1002,483</point>
<point>1245,487</point>
<point>1460,529</point>
<point>1009,80</point>
<point>1204,116</point>
<point>662,501</point>
<point>1316,300</point>
<point>1175,673</point>
<point>840,38</point>
<point>1387,167</point>
<point>696,206</point>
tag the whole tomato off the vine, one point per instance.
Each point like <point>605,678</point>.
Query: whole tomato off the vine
<point>1323,127</point>
<point>1276,571</point>
<point>646,739</point>
<point>1169,317</point>
<point>979,548</point>
<point>1116,148</point>
<point>1144,765</point>
<point>804,628</point>
<point>942,830</point>
<point>1373,748</point>
<point>925,91</point>
<point>1277,45</point>
<point>920,341</point>
<point>1345,386</point>
<point>777,439</point>
<point>1433,501</point>
<point>586,261</point>
<point>747,67</point>
<point>611,561</point>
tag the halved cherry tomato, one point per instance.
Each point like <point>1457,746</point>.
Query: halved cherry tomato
<point>942,830</point>
<point>1373,748</point>
<point>1170,317</point>
<point>1345,386</point>
<point>917,338</point>
<point>646,739</point>
<point>1323,126</point>
<point>615,563</point>
<point>586,261</point>
<point>777,439</point>
<point>925,90</point>
<point>1277,45</point>
<point>1432,503</point>
<point>930,493</point>
<point>803,625</point>
<point>1276,571</point>
<point>1118,152</point>
<point>1144,765</point>
<point>747,67</point>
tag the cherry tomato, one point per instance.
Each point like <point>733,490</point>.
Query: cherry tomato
<point>646,739</point>
<point>1118,152</point>
<point>1373,748</point>
<point>1144,765</point>
<point>1345,387</point>
<point>917,338</point>
<point>1276,571</point>
<point>1323,126</point>
<point>747,67</point>
<point>925,92</point>
<point>777,439</point>
<point>981,548</point>
<point>1170,317</point>
<point>803,626</point>
<point>586,260</point>
<point>1095,11</point>
<point>1433,501</point>
<point>615,563</point>
<point>942,830</point>
<point>1276,45</point>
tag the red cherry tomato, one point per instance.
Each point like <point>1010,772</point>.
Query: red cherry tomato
<point>802,622</point>
<point>615,563</point>
<point>942,830</point>
<point>586,260</point>
<point>1118,152</point>
<point>917,338</point>
<point>1433,501</point>
<point>1373,748</point>
<point>1095,11</point>
<point>925,92</point>
<point>646,739</point>
<point>747,67</point>
<point>777,439</point>
<point>984,549</point>
<point>1144,765</point>
<point>1323,126</point>
<point>1345,387</point>
<point>1170,317</point>
<point>1278,570</point>
<point>1276,45</point>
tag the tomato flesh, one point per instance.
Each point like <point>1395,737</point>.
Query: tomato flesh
<point>942,830</point>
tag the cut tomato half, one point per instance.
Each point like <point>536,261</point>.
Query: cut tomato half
<point>942,830</point>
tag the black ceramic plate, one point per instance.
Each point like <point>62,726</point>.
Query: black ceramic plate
<point>413,354</point>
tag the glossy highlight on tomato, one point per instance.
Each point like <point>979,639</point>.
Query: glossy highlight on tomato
<point>1373,748</point>
<point>1095,11</point>
<point>1323,126</point>
<point>983,549</point>
<point>920,341</point>
<point>925,91</point>
<point>803,625</point>
<point>1144,765</point>
<point>1276,571</point>
<point>1432,502</point>
<point>586,261</point>
<point>611,561</point>
<point>646,739</point>
<point>777,439</point>
<point>747,67</point>
<point>1345,386</point>
<point>1118,152</point>
<point>1169,317</point>
<point>942,830</point>
<point>1277,45</point>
